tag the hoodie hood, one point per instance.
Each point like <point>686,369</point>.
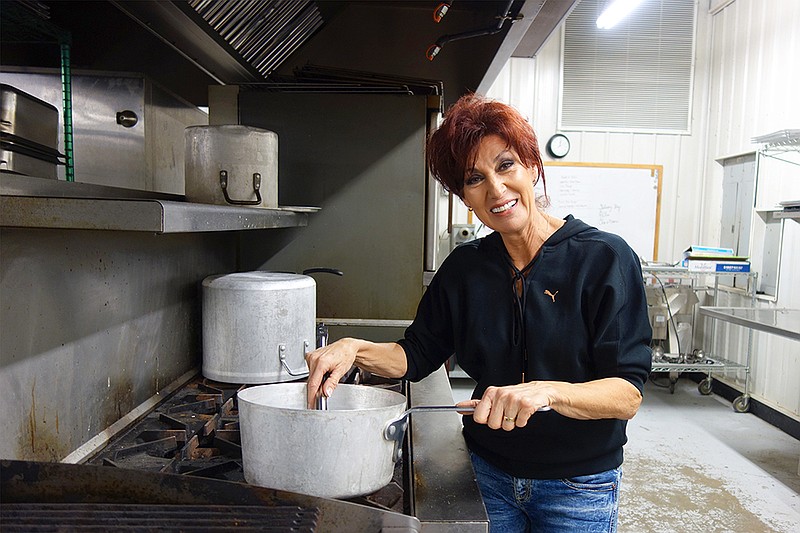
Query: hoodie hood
<point>572,227</point>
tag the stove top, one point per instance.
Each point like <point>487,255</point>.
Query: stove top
<point>195,432</point>
<point>186,452</point>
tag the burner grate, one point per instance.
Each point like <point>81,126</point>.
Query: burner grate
<point>195,432</point>
<point>143,518</point>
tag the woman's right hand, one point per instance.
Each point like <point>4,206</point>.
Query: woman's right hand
<point>335,359</point>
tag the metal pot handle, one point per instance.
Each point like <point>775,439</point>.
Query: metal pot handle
<point>282,357</point>
<point>326,270</point>
<point>396,428</point>
<point>223,182</point>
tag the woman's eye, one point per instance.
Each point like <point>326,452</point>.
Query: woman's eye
<point>472,180</point>
<point>505,165</point>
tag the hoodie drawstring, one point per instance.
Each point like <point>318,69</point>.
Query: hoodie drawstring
<point>519,290</point>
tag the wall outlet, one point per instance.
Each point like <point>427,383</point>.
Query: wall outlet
<point>461,234</point>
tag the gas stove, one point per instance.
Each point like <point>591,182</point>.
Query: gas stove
<point>179,463</point>
<point>195,432</point>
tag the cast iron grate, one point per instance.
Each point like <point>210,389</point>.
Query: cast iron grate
<point>143,518</point>
<point>195,432</point>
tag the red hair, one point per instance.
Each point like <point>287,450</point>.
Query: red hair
<point>452,148</point>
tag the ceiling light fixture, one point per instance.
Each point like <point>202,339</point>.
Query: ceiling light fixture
<point>615,12</point>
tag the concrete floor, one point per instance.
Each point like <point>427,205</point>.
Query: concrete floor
<point>693,464</point>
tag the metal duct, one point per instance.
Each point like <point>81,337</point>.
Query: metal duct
<point>263,33</point>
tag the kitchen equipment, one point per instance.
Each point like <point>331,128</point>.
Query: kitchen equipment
<point>396,428</point>
<point>338,453</point>
<point>258,326</point>
<point>231,165</point>
<point>345,451</point>
<point>52,496</point>
<point>28,117</point>
<point>28,134</point>
<point>322,340</point>
<point>194,432</point>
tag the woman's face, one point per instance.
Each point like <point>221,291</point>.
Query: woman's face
<point>499,188</point>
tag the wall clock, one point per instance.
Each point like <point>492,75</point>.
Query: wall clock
<point>558,146</point>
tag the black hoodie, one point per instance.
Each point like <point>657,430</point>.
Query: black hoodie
<point>583,317</point>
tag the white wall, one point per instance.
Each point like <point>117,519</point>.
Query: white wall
<point>755,76</point>
<point>746,84</point>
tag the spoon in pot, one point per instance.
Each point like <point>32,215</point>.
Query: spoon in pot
<point>321,403</point>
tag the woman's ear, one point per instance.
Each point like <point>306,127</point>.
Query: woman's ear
<point>535,175</point>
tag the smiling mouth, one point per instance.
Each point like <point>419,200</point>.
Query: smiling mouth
<point>505,207</point>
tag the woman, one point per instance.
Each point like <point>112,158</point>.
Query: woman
<point>547,315</point>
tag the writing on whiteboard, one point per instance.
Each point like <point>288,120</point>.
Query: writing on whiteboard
<point>620,200</point>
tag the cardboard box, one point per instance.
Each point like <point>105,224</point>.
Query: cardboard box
<point>702,265</point>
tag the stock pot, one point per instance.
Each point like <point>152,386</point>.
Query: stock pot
<point>231,165</point>
<point>340,452</point>
<point>345,451</point>
<point>258,326</point>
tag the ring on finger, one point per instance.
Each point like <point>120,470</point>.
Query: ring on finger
<point>509,419</point>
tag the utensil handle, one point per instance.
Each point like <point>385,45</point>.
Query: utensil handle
<point>321,404</point>
<point>322,401</point>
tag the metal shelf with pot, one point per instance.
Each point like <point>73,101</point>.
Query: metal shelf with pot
<point>30,202</point>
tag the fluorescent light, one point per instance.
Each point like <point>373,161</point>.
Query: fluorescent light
<point>616,11</point>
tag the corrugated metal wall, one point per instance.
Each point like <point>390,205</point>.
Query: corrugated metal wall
<point>745,84</point>
<point>754,80</point>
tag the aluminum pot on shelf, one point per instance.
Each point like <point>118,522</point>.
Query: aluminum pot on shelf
<point>258,326</point>
<point>231,165</point>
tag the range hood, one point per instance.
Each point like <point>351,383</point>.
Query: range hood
<point>188,45</point>
<point>258,41</point>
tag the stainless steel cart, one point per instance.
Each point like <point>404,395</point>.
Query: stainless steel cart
<point>689,358</point>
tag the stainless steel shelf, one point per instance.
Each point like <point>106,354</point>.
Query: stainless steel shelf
<point>151,215</point>
<point>779,139</point>
<point>685,273</point>
<point>794,215</point>
<point>783,322</point>
<point>707,365</point>
<point>30,202</point>
<point>365,322</point>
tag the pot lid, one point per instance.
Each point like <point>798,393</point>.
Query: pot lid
<point>259,280</point>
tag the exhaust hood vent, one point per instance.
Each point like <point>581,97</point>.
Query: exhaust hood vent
<point>188,45</point>
<point>263,33</point>
<point>230,40</point>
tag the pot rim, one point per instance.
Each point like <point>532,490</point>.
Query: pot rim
<point>258,280</point>
<point>399,399</point>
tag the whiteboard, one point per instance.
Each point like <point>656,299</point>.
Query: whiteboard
<point>620,199</point>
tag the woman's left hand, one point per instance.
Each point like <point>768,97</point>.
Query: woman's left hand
<point>511,406</point>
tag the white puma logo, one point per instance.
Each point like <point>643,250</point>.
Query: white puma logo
<point>551,295</point>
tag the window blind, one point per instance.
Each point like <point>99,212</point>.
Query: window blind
<point>636,76</point>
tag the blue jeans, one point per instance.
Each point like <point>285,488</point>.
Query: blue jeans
<point>584,503</point>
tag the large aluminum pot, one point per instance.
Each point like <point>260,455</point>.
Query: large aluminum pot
<point>341,452</point>
<point>258,326</point>
<point>231,165</point>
